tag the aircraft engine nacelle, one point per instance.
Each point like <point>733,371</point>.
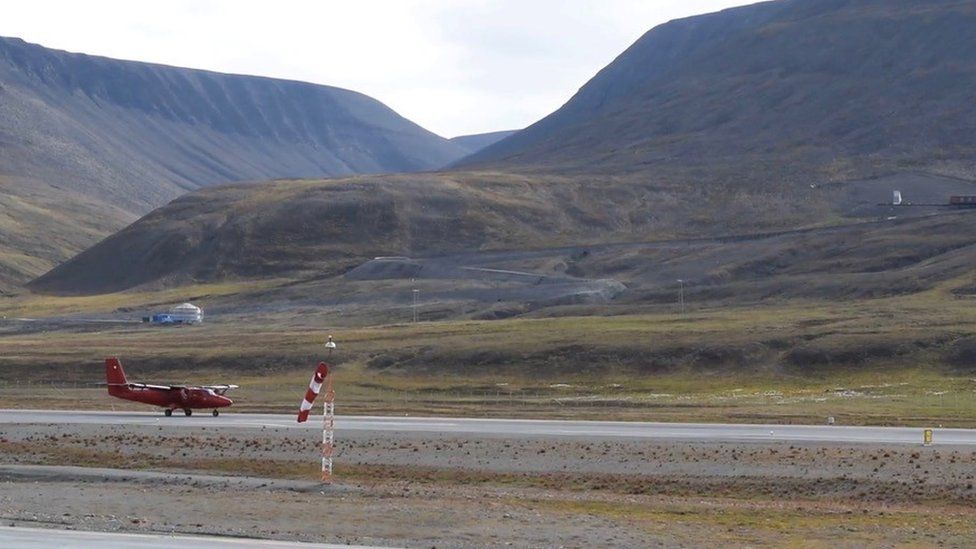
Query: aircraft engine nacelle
<point>203,398</point>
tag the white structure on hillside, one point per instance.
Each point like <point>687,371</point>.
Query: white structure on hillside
<point>186,313</point>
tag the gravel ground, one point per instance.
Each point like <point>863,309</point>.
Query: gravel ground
<point>421,490</point>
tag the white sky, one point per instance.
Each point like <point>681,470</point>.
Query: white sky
<point>453,66</point>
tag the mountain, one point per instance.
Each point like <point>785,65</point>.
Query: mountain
<point>793,89</point>
<point>772,118</point>
<point>120,138</point>
<point>477,141</point>
<point>144,134</point>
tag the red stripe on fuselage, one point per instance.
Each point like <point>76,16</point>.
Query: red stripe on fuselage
<point>172,398</point>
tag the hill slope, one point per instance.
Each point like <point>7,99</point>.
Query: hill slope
<point>141,134</point>
<point>475,142</point>
<point>41,226</point>
<point>317,228</point>
<point>759,119</point>
<point>309,228</point>
<point>815,88</point>
<point>87,144</point>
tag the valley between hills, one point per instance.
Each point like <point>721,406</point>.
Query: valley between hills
<point>706,205</point>
<point>756,220</point>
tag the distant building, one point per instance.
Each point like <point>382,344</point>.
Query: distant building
<point>185,313</point>
<point>966,201</point>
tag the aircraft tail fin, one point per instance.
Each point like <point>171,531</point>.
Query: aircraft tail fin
<point>114,374</point>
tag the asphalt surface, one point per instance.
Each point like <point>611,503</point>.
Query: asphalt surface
<point>513,428</point>
<point>30,538</point>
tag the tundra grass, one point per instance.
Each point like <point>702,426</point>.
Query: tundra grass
<point>903,397</point>
<point>37,305</point>
<point>781,524</point>
<point>543,367</point>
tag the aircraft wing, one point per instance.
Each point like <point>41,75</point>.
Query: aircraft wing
<point>157,387</point>
<point>219,389</point>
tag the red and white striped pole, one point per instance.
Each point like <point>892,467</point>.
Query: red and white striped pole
<point>328,431</point>
<point>328,422</point>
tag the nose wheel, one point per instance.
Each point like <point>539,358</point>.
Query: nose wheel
<point>216,413</point>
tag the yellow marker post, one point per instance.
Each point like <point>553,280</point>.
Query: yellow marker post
<point>927,437</point>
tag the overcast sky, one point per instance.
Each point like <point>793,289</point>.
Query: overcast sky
<point>453,66</point>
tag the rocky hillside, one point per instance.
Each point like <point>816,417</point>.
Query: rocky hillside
<point>143,134</point>
<point>109,140</point>
<point>41,226</point>
<point>321,228</point>
<point>800,90</point>
<point>767,118</point>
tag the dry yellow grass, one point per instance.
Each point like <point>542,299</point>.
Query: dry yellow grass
<point>271,358</point>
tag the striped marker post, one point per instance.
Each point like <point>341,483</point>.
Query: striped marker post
<point>328,422</point>
<point>328,431</point>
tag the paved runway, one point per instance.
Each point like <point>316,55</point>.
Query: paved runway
<point>43,538</point>
<point>513,428</point>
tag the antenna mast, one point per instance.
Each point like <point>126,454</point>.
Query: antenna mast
<point>328,421</point>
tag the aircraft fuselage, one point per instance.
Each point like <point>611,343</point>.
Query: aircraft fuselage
<point>185,398</point>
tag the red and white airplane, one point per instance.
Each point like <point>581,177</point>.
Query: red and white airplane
<point>169,397</point>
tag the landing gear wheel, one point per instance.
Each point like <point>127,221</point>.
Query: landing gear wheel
<point>188,412</point>
<point>167,412</point>
<point>216,413</point>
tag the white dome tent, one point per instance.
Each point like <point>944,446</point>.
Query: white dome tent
<point>187,313</point>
